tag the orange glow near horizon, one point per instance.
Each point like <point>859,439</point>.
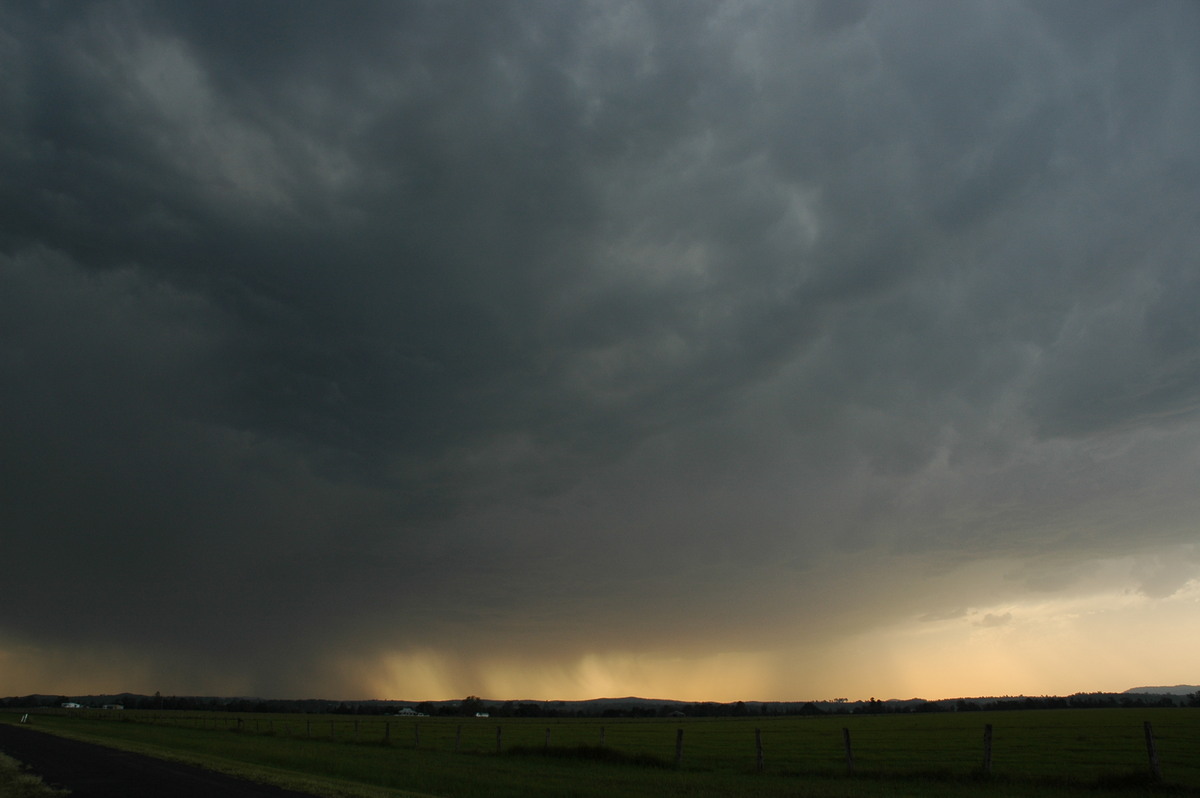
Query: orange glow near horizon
<point>1052,647</point>
<point>717,677</point>
<point>1108,641</point>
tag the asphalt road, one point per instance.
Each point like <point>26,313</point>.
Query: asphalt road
<point>93,771</point>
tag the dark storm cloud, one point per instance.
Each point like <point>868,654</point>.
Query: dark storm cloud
<point>559,309</point>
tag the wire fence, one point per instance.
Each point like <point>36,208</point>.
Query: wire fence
<point>1075,744</point>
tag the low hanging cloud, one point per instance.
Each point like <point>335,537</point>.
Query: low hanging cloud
<point>991,620</point>
<point>595,336</point>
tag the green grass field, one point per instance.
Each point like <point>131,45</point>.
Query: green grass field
<point>1095,752</point>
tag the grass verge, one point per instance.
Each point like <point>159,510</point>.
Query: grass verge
<point>16,783</point>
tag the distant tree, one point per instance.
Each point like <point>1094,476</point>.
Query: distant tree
<point>470,705</point>
<point>528,709</point>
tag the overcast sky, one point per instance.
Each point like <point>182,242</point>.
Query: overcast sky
<point>562,349</point>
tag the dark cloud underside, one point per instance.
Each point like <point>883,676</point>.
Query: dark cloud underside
<point>508,321</point>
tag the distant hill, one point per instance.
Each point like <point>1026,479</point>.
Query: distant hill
<point>1179,689</point>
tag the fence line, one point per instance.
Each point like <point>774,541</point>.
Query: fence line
<point>379,732</point>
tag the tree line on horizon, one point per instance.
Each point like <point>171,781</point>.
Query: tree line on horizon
<point>473,705</point>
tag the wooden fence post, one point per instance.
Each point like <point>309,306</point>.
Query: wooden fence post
<point>387,732</point>
<point>458,738</point>
<point>758,750</point>
<point>499,731</point>
<point>1152,752</point>
<point>601,736</point>
<point>331,732</point>
<point>987,749</point>
<point>849,751</point>
<point>547,743</point>
<point>416,735</point>
<point>679,748</point>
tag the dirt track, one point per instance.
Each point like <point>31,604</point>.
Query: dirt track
<point>93,771</point>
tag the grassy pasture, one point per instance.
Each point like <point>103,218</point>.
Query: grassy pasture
<point>1048,752</point>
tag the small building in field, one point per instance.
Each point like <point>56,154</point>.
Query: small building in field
<point>71,705</point>
<point>112,706</point>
